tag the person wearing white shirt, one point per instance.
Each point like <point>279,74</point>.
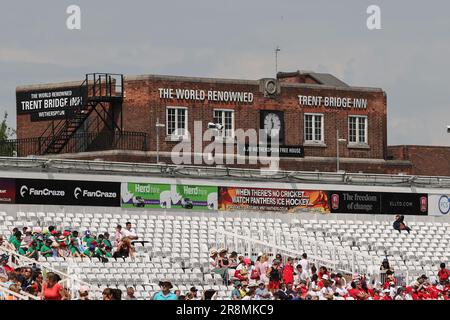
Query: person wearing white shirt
<point>129,232</point>
<point>304,262</point>
<point>300,274</point>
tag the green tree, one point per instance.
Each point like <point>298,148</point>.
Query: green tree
<point>7,148</point>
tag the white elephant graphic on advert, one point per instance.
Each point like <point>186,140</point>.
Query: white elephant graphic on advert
<point>169,197</point>
<point>212,201</point>
<point>126,195</point>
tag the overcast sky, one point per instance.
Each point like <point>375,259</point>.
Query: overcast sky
<point>408,58</point>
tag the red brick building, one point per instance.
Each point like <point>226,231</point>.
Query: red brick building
<point>303,110</point>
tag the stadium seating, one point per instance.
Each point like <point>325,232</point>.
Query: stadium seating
<point>179,243</point>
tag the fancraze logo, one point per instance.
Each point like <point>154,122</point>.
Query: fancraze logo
<point>93,194</point>
<point>24,190</point>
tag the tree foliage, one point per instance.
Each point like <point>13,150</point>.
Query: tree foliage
<point>6,148</point>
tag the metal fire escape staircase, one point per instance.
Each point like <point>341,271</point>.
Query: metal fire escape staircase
<point>100,90</point>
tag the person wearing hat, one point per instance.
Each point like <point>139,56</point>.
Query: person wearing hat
<point>215,266</point>
<point>33,251</point>
<point>46,249</point>
<point>165,293</point>
<point>4,258</point>
<point>251,293</point>
<point>236,292</point>
<point>261,292</point>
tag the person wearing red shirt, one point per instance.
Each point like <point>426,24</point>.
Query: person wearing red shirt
<point>443,274</point>
<point>4,263</point>
<point>52,290</point>
<point>322,271</point>
<point>288,272</point>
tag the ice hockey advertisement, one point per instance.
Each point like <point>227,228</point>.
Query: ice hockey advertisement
<point>265,199</point>
<point>168,196</point>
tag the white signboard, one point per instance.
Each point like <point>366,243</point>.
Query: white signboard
<point>439,205</point>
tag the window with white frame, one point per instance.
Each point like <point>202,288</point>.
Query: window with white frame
<point>313,127</point>
<point>226,119</point>
<point>357,129</point>
<point>176,121</point>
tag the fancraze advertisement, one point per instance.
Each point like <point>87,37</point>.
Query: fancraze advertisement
<point>168,196</point>
<point>267,199</point>
<point>68,192</point>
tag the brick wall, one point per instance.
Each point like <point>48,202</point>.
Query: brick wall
<point>426,160</point>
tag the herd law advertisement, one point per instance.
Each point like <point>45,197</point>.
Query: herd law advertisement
<point>168,196</point>
<point>267,199</point>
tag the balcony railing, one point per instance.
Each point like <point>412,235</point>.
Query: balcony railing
<point>80,142</point>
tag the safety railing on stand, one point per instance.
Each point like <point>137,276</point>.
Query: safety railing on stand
<point>251,247</point>
<point>72,282</point>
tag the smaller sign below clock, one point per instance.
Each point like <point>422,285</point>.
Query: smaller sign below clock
<point>267,150</point>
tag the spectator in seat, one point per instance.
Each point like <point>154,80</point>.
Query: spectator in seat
<point>443,275</point>
<point>304,262</point>
<point>209,294</point>
<point>273,273</point>
<point>340,290</point>
<point>25,277</point>
<point>262,269</point>
<point>399,224</point>
<point>193,291</point>
<point>36,286</point>
<point>281,264</point>
<point>130,294</point>
<point>313,270</point>
<point>236,292</point>
<point>106,241</point>
<point>251,294</point>
<point>214,264</point>
<point>83,292</point>
<point>4,258</point>
<point>385,265</point>
<point>326,292</point>
<point>261,292</point>
<point>233,259</point>
<point>118,235</point>
<point>390,280</point>
<point>300,275</point>
<point>241,274</point>
<point>52,290</point>
<point>46,249</point>
<point>288,272</point>
<point>33,251</point>
<point>75,247</point>
<point>107,294</point>
<point>129,232</point>
<point>165,293</point>
<point>125,249</point>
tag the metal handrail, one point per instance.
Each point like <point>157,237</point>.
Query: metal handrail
<point>20,296</point>
<point>331,264</point>
<point>73,280</point>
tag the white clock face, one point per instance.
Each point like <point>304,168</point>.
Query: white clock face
<point>272,124</point>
